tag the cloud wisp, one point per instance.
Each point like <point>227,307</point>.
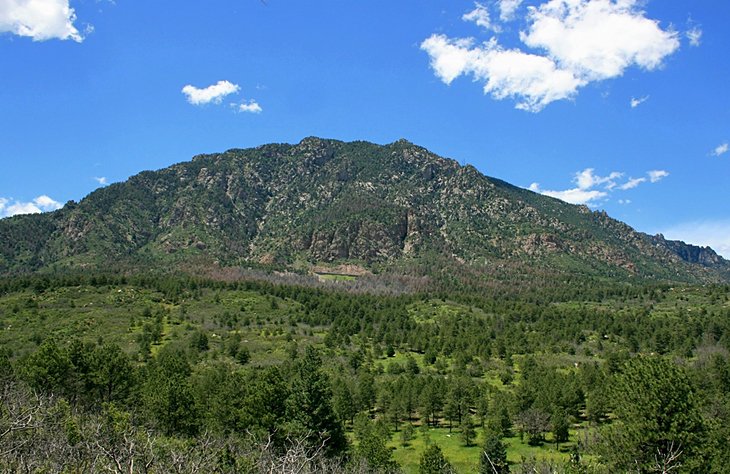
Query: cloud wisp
<point>590,189</point>
<point>11,207</point>
<point>479,16</point>
<point>212,94</point>
<point>570,43</point>
<point>251,107</point>
<point>657,175</point>
<point>694,36</point>
<point>632,183</point>
<point>721,149</point>
<point>637,101</point>
<point>39,20</point>
<point>507,9</point>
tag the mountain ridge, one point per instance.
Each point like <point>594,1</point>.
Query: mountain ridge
<point>385,207</point>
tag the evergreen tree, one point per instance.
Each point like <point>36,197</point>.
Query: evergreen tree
<point>434,462</point>
<point>658,421</point>
<point>167,395</point>
<point>372,437</point>
<point>406,434</point>
<point>493,459</point>
<point>467,431</point>
<point>561,426</point>
<point>49,369</point>
<point>343,399</point>
<point>309,406</point>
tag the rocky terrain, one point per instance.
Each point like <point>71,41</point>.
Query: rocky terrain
<point>326,202</point>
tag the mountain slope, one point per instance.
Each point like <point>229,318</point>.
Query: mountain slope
<point>323,201</point>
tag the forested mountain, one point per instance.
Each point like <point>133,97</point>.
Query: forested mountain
<point>395,208</point>
<point>170,323</point>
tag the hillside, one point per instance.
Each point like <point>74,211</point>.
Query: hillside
<point>322,203</point>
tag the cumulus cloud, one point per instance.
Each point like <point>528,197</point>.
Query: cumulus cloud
<point>705,233</point>
<point>598,39</point>
<point>214,93</point>
<point>694,36</point>
<point>575,42</point>
<point>508,8</point>
<point>480,16</point>
<point>251,107</point>
<point>635,102</point>
<point>101,180</point>
<point>10,207</point>
<point>572,196</point>
<point>590,188</point>
<point>40,20</point>
<point>533,80</point>
<point>657,175</point>
<point>721,149</point>
<point>587,179</point>
<point>583,193</point>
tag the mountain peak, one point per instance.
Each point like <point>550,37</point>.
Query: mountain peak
<point>396,207</point>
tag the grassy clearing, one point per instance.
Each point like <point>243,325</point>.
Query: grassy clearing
<point>335,277</point>
<point>118,314</point>
<point>466,459</point>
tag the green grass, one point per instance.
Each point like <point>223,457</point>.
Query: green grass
<point>335,277</point>
<point>466,459</point>
<point>117,314</point>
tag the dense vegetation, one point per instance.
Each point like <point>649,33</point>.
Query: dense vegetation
<point>180,374</point>
<point>356,308</point>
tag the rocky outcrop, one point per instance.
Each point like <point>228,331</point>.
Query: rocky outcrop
<point>325,201</point>
<point>704,256</point>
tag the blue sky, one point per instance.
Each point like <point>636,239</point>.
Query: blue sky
<point>619,104</point>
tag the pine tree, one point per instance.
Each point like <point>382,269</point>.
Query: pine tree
<point>493,459</point>
<point>434,462</point>
<point>467,431</point>
<point>309,406</point>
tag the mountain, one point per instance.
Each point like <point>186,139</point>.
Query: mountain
<point>323,203</point>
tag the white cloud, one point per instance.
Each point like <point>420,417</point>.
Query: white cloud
<point>635,102</point>
<point>21,208</point>
<point>572,196</point>
<point>632,183</point>
<point>624,201</point>
<point>712,233</point>
<point>251,106</point>
<point>40,204</point>
<point>587,179</point>
<point>214,93</point>
<point>39,19</point>
<point>694,36</point>
<point>657,175</point>
<point>721,149</point>
<point>480,16</point>
<point>583,193</point>
<point>579,41</point>
<point>508,8</point>
<point>533,80</point>
<point>101,180</point>
<point>598,39</point>
<point>46,203</point>
<point>586,184</point>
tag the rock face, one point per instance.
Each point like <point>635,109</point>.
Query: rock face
<point>691,253</point>
<point>329,202</point>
